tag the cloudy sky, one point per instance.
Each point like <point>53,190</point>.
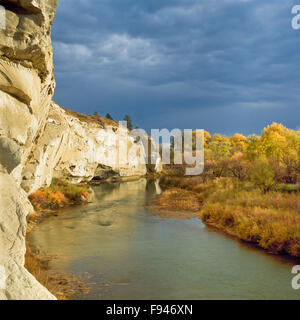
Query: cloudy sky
<point>223,65</point>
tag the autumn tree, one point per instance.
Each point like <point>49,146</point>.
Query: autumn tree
<point>238,166</point>
<point>239,143</point>
<point>262,174</point>
<point>219,147</point>
<point>273,141</point>
<point>252,150</point>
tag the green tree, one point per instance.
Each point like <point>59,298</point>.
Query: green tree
<point>253,149</point>
<point>108,116</point>
<point>220,147</point>
<point>262,175</point>
<point>127,118</point>
<point>96,113</point>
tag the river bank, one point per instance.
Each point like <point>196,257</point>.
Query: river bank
<point>269,220</point>
<point>126,252</point>
<point>62,285</point>
<point>184,200</point>
<point>175,203</point>
<point>54,201</point>
<point>47,202</point>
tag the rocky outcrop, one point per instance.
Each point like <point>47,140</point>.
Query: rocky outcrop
<point>78,148</point>
<point>40,140</point>
<point>26,89</point>
<point>14,206</point>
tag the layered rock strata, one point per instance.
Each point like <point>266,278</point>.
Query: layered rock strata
<point>40,140</point>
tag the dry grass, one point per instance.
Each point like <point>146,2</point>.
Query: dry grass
<point>274,230</point>
<point>97,120</point>
<point>33,265</point>
<point>270,220</point>
<point>63,286</point>
<point>178,199</point>
<point>60,194</point>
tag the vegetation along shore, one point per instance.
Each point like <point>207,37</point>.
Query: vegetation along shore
<point>47,202</point>
<point>249,188</point>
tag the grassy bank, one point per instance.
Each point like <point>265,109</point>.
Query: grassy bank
<point>58,195</point>
<point>178,199</point>
<point>62,286</point>
<point>270,220</point>
<point>45,201</point>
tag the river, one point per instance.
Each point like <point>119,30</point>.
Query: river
<point>129,253</point>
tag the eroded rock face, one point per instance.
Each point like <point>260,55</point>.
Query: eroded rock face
<point>26,75</point>
<point>40,140</point>
<point>80,150</point>
<point>26,88</point>
<point>14,206</point>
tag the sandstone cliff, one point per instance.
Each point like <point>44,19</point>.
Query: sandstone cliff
<point>40,140</point>
<point>80,148</point>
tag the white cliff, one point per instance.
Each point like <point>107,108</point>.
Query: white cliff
<point>81,149</point>
<point>40,140</point>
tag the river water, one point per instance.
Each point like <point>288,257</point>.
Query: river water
<point>128,253</point>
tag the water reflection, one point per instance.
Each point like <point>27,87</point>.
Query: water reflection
<point>131,254</point>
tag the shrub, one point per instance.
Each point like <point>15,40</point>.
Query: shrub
<point>178,199</point>
<point>271,220</point>
<point>58,195</point>
<point>238,167</point>
<point>262,175</point>
<point>43,199</point>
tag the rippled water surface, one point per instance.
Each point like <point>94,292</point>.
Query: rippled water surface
<point>130,254</point>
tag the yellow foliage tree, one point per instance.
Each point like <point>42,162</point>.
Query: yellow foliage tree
<point>239,142</point>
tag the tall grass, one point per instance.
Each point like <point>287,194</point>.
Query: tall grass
<point>178,199</point>
<point>58,195</point>
<point>270,220</point>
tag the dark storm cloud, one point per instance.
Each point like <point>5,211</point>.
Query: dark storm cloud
<point>222,65</point>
